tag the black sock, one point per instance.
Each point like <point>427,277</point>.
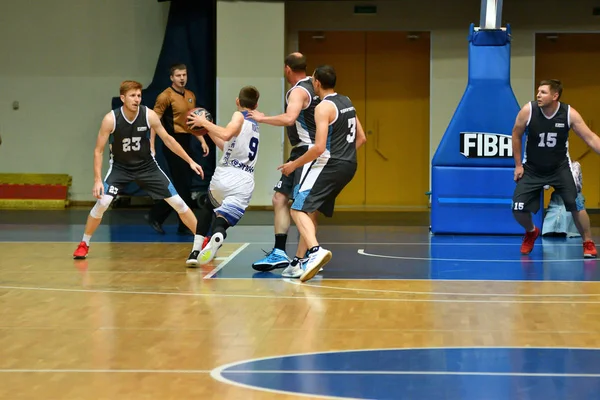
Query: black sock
<point>313,249</point>
<point>295,261</point>
<point>205,216</point>
<point>220,225</point>
<point>280,240</point>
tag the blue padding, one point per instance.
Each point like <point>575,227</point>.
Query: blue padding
<point>472,168</point>
<point>492,37</point>
<point>486,112</point>
<point>475,200</point>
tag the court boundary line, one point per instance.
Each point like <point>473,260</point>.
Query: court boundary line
<point>362,252</point>
<point>251,296</point>
<point>363,243</point>
<point>297,283</point>
<point>128,371</point>
<point>226,261</point>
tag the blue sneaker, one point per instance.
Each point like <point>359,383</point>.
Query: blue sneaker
<point>274,259</point>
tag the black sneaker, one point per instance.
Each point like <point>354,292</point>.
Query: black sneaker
<point>192,260</point>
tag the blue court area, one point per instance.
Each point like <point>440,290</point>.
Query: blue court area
<point>428,374</point>
<point>359,252</point>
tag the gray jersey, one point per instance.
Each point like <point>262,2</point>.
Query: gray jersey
<point>341,139</point>
<point>130,140</point>
<point>303,130</point>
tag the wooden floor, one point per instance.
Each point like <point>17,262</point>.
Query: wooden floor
<point>132,322</point>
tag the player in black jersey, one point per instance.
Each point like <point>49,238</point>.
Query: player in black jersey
<point>299,121</point>
<point>128,129</point>
<point>547,161</point>
<point>326,168</point>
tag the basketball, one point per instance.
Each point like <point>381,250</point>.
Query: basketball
<point>199,111</point>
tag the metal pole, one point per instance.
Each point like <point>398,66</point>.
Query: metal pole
<point>491,14</point>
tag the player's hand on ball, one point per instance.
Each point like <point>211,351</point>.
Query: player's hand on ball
<point>196,121</point>
<point>518,173</point>
<point>197,169</point>
<point>287,168</point>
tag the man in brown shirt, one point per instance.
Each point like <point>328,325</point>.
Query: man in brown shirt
<point>172,106</point>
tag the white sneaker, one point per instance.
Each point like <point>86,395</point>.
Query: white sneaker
<point>316,261</point>
<point>209,252</point>
<point>294,271</point>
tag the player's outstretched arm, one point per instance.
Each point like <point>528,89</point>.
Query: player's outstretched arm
<point>325,113</point>
<point>217,133</point>
<point>172,143</point>
<point>298,100</point>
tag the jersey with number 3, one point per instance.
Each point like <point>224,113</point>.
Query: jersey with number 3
<point>241,151</point>
<point>342,131</point>
<point>130,140</point>
<point>547,138</point>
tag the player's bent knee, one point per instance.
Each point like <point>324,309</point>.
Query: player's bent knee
<point>280,199</point>
<point>101,206</point>
<point>178,204</point>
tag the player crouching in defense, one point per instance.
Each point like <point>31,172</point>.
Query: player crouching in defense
<point>131,160</point>
<point>232,184</point>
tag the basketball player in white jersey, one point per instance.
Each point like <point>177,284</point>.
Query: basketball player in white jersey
<point>232,184</point>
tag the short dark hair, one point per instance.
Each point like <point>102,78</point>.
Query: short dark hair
<point>326,75</point>
<point>296,62</point>
<point>177,66</point>
<point>249,97</point>
<point>555,85</point>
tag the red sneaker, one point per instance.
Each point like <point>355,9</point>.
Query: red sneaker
<point>81,252</point>
<point>589,249</point>
<point>529,241</point>
<point>206,240</point>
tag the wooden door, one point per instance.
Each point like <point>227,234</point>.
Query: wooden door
<point>574,58</point>
<point>345,51</point>
<point>386,75</point>
<point>397,119</point>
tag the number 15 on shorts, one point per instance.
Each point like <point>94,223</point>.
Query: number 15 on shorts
<point>519,206</point>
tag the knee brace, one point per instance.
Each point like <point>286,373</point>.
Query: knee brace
<point>178,204</point>
<point>101,206</point>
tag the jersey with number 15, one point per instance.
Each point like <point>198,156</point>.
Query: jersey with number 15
<point>241,151</point>
<point>342,130</point>
<point>130,140</point>
<point>547,138</point>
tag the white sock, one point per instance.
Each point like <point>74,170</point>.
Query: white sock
<point>86,239</point>
<point>198,240</point>
<point>533,230</point>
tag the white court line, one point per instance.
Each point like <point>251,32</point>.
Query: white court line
<point>125,371</point>
<point>217,372</point>
<point>251,296</point>
<point>433,280</point>
<point>383,372</point>
<point>362,243</point>
<point>305,372</point>
<point>298,283</point>
<point>362,252</point>
<point>226,261</point>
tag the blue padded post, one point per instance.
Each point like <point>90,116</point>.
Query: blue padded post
<point>472,169</point>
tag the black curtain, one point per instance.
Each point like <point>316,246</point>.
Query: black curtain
<point>191,39</point>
